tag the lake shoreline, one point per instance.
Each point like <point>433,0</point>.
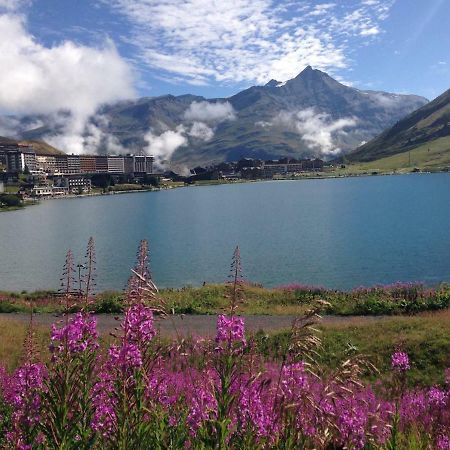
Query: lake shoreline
<point>30,202</point>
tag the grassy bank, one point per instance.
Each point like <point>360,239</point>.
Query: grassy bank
<point>10,202</point>
<point>432,156</point>
<point>425,337</point>
<point>395,299</point>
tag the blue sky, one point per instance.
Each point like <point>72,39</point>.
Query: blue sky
<point>215,48</point>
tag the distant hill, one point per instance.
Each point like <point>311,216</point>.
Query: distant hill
<point>40,147</point>
<point>424,134</point>
<point>310,115</point>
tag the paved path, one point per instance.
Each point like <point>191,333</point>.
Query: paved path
<point>195,325</point>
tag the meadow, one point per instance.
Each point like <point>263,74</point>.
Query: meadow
<point>383,385</point>
<point>295,298</point>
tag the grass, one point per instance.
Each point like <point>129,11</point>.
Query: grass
<point>10,208</point>
<point>291,300</point>
<point>126,187</point>
<point>12,335</point>
<point>11,189</point>
<point>425,337</point>
<point>434,155</point>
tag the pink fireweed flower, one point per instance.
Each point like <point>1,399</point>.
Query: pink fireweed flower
<point>437,397</point>
<point>252,411</point>
<point>443,442</point>
<point>80,334</point>
<point>104,402</point>
<point>127,356</point>
<point>400,361</point>
<point>138,324</point>
<point>230,329</point>
<point>203,407</point>
<point>23,392</point>
<point>294,379</point>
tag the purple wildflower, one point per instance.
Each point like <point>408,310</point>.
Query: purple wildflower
<point>138,324</point>
<point>437,397</point>
<point>79,334</point>
<point>443,442</point>
<point>400,361</point>
<point>104,403</point>
<point>203,407</point>
<point>230,328</point>
<point>252,410</point>
<point>127,356</point>
<point>23,392</point>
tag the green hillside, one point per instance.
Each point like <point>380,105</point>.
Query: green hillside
<point>40,147</point>
<point>423,136</point>
<point>432,156</point>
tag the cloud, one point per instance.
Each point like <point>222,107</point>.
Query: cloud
<point>201,131</point>
<point>201,120</point>
<point>210,112</point>
<point>89,140</point>
<point>234,41</point>
<point>67,81</point>
<point>386,100</point>
<point>318,130</point>
<point>9,126</point>
<point>163,146</point>
<point>13,5</point>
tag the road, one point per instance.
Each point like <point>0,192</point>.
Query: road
<point>194,325</point>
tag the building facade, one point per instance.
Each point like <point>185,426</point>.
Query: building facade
<point>18,158</point>
<point>46,164</point>
<point>73,164</point>
<point>116,164</point>
<point>87,164</point>
<point>269,169</point>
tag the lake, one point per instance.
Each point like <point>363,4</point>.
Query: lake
<point>338,233</point>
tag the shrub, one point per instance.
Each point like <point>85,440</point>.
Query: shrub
<point>10,200</point>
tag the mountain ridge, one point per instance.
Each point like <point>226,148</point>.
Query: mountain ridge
<point>421,127</point>
<point>309,115</point>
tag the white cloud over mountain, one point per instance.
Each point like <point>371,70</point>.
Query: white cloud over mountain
<point>210,112</point>
<point>67,77</point>
<point>203,41</point>
<point>201,118</point>
<point>317,129</point>
<point>164,145</point>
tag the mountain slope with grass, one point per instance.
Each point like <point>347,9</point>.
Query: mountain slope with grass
<point>421,139</point>
<point>40,147</point>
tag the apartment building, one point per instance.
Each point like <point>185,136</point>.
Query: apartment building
<point>87,164</point>
<point>116,164</point>
<point>73,164</point>
<point>61,165</point>
<point>75,184</point>
<point>18,158</point>
<point>46,164</point>
<point>143,164</point>
<point>101,164</point>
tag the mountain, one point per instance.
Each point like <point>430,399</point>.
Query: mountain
<point>427,128</point>
<point>40,147</point>
<point>310,115</point>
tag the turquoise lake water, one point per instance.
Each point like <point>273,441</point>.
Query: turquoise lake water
<point>338,233</point>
